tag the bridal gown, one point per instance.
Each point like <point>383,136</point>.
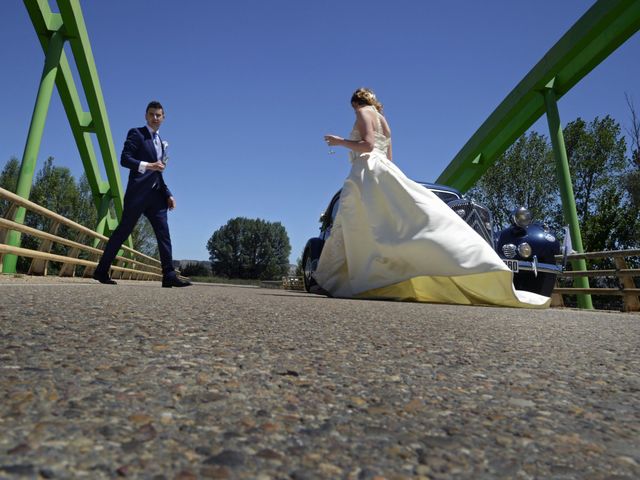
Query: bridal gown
<point>394,239</point>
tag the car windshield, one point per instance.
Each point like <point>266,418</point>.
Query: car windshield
<point>446,197</point>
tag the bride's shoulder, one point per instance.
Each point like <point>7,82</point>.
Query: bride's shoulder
<point>368,111</point>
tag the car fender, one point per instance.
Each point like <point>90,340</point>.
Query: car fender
<point>314,246</point>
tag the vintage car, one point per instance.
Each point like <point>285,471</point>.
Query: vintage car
<point>529,249</point>
<point>533,246</point>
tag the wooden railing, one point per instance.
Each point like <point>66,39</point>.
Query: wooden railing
<point>291,282</point>
<point>136,266</point>
<point>626,288</point>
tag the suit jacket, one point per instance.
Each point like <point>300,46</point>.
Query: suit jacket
<point>138,147</point>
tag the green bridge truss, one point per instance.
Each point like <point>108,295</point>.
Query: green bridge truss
<point>599,32</point>
<point>53,30</point>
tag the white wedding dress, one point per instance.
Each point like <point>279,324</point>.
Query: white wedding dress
<point>394,239</point>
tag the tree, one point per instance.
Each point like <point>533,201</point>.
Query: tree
<point>596,152</point>
<point>523,176</point>
<point>86,213</point>
<point>9,180</point>
<point>633,178</point>
<point>195,269</point>
<point>250,248</point>
<point>299,268</point>
<point>144,238</point>
<point>55,189</point>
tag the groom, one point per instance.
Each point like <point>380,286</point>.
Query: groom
<point>143,154</point>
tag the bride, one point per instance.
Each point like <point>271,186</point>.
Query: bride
<point>394,239</point>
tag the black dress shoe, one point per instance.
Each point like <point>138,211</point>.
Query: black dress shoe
<point>175,282</point>
<point>103,279</point>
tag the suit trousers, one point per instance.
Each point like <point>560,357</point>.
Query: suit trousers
<point>154,207</point>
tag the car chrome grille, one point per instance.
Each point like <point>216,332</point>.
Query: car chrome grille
<point>477,216</point>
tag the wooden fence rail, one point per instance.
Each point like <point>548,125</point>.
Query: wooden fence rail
<point>138,266</point>
<point>626,289</point>
<point>135,266</point>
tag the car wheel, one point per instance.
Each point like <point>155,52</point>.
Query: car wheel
<point>309,265</point>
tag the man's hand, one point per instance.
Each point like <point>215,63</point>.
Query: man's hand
<point>156,166</point>
<point>171,203</point>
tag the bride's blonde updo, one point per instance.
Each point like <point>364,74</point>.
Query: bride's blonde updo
<point>365,96</point>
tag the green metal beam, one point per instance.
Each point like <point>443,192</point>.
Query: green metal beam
<point>566,191</point>
<point>82,123</point>
<point>83,55</point>
<point>34,137</point>
<point>599,32</point>
<point>53,30</point>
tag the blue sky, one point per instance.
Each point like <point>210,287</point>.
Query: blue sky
<point>250,87</point>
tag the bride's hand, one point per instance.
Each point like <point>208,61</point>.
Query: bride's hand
<point>333,140</point>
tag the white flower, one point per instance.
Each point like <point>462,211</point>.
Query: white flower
<point>165,147</point>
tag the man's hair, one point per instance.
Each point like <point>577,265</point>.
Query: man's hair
<point>154,104</point>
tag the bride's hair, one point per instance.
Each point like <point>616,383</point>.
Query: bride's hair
<point>365,96</point>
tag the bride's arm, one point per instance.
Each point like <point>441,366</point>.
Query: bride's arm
<point>365,124</point>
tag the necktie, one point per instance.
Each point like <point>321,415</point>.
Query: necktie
<point>156,143</point>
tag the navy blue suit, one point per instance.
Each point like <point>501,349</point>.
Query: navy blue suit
<point>146,194</point>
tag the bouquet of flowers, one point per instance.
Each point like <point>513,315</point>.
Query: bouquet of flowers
<point>165,155</point>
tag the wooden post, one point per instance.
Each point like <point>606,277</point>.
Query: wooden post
<point>9,215</point>
<point>39,265</point>
<point>631,302</point>
<point>69,269</point>
<point>88,271</point>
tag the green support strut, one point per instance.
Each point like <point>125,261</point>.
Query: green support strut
<point>32,147</point>
<point>566,190</point>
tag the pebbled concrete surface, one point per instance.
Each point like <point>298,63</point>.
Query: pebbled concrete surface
<point>213,381</point>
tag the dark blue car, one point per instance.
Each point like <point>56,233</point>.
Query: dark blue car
<point>529,249</point>
<point>534,270</point>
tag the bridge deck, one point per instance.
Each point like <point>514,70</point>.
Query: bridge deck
<point>228,382</point>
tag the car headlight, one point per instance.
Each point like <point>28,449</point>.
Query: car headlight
<point>521,216</point>
<point>524,249</point>
<point>509,250</point>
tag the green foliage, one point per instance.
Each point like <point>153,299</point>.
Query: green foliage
<point>299,268</point>
<point>250,248</point>
<point>55,189</point>
<point>523,176</point>
<point>195,269</point>
<point>86,213</point>
<point>144,238</point>
<point>600,172</point>
<point>632,181</point>
<point>596,154</point>
<point>9,180</point>
<point>605,186</point>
